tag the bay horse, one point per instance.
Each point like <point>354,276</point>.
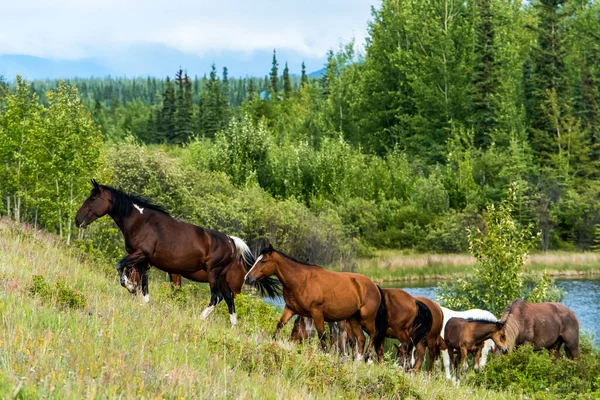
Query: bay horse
<point>542,325</point>
<point>467,335</point>
<point>433,340</point>
<point>480,354</point>
<point>153,237</point>
<point>312,291</point>
<point>409,320</point>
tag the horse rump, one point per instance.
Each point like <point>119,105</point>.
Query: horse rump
<point>422,323</point>
<point>381,321</point>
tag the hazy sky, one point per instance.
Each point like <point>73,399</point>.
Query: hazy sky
<point>134,36</point>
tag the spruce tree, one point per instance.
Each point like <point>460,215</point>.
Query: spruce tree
<point>251,89</point>
<point>287,83</point>
<point>485,77</point>
<point>212,104</point>
<point>167,114</point>
<point>274,77</point>
<point>304,77</point>
<point>224,100</point>
<point>184,109</point>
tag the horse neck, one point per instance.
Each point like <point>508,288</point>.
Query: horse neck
<point>290,273</point>
<point>484,331</point>
<point>129,223</point>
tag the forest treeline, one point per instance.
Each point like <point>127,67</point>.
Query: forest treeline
<point>404,145</point>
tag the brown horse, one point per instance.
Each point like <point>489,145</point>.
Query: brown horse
<point>153,237</point>
<point>311,291</point>
<point>542,325</point>
<point>464,336</point>
<point>409,320</point>
<point>433,340</point>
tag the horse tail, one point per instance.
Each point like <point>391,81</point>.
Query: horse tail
<point>269,287</point>
<point>422,323</point>
<point>381,321</point>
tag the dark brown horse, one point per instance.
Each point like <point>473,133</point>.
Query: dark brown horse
<point>542,325</point>
<point>464,336</point>
<point>311,291</point>
<point>409,320</point>
<point>153,237</point>
<point>433,340</point>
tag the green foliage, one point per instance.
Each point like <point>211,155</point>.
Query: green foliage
<point>528,372</point>
<point>60,294</point>
<point>500,248</point>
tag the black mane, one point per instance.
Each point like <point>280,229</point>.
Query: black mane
<point>122,202</point>
<point>267,250</point>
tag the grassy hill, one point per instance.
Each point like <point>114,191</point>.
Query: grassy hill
<point>68,330</point>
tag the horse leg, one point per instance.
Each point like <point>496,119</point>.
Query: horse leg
<point>230,300</point>
<point>135,258</point>
<point>145,285</point>
<point>433,354</point>
<point>317,316</point>
<point>175,279</point>
<point>464,355</point>
<point>477,357</point>
<point>446,359</point>
<point>420,355</point>
<point>572,349</point>
<point>285,317</point>
<point>360,337</point>
<point>215,291</point>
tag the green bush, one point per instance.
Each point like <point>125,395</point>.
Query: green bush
<point>60,294</point>
<point>537,373</point>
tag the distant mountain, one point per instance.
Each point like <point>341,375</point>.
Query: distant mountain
<point>318,74</point>
<point>31,67</point>
<point>154,60</point>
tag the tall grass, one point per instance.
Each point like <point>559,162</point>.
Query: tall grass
<point>118,347</point>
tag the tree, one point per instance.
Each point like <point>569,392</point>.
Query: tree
<point>251,89</point>
<point>167,114</point>
<point>287,84</point>
<point>303,77</point>
<point>274,77</point>
<point>184,109</point>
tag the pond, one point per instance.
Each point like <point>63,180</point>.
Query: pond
<point>583,297</point>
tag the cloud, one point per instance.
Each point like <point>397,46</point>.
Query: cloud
<point>70,29</point>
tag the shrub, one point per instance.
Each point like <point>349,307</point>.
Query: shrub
<point>60,294</point>
<point>500,249</point>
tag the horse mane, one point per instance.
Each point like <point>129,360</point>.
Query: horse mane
<point>122,202</point>
<point>512,326</point>
<point>482,320</point>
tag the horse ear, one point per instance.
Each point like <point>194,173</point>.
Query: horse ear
<point>270,247</point>
<point>95,184</point>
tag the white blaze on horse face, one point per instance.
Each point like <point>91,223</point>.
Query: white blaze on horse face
<point>140,209</point>
<point>255,262</point>
<point>207,312</point>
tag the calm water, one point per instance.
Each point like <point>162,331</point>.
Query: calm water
<point>583,297</point>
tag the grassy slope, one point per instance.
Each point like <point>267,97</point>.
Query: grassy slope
<point>117,347</point>
<point>394,265</point>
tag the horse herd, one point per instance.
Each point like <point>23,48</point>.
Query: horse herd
<point>350,303</point>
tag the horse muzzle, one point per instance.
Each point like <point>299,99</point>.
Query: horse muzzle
<point>250,280</point>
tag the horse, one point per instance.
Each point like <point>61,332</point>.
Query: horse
<point>467,335</point>
<point>542,325</point>
<point>409,320</point>
<point>341,337</point>
<point>153,237</point>
<point>312,291</point>
<point>433,340</point>
<point>480,354</point>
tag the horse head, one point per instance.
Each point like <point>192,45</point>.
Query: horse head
<point>499,337</point>
<point>264,266</point>
<point>94,207</point>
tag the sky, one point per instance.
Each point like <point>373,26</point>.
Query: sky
<point>152,37</point>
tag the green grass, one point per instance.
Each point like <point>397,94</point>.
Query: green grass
<point>397,265</point>
<point>77,333</point>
